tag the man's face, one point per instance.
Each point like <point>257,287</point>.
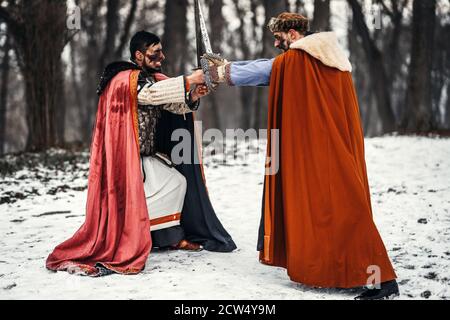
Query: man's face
<point>152,60</point>
<point>282,41</point>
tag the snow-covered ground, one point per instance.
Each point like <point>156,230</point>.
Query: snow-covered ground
<point>410,185</point>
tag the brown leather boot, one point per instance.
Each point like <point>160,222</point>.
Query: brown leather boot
<point>187,246</point>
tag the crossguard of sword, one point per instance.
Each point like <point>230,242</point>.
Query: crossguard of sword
<point>212,86</point>
<point>209,82</point>
<point>208,63</point>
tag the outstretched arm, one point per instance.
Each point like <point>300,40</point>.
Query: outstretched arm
<point>249,73</point>
<point>172,90</point>
<point>177,95</point>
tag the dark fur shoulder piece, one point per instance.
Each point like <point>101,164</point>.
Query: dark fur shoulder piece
<point>111,71</point>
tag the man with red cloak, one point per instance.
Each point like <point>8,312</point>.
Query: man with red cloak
<point>136,195</point>
<point>317,217</point>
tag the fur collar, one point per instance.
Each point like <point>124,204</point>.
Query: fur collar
<point>112,70</point>
<point>324,47</point>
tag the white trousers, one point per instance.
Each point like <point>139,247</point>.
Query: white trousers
<point>165,189</point>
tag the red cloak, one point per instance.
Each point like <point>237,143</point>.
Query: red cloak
<point>317,215</point>
<point>116,232</point>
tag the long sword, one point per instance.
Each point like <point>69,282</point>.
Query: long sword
<point>203,45</point>
<point>203,42</point>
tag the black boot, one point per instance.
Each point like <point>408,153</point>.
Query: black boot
<point>386,291</point>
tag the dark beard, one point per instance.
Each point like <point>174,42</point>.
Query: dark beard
<point>151,70</point>
<point>284,46</point>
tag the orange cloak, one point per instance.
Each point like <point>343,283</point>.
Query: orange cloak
<point>317,215</point>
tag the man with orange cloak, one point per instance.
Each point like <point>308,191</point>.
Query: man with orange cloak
<point>137,197</point>
<point>317,216</point>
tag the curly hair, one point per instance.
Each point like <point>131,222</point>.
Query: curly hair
<point>287,21</point>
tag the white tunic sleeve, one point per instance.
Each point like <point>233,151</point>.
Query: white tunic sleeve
<point>163,92</point>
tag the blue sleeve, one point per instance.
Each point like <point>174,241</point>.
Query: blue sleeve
<point>251,73</point>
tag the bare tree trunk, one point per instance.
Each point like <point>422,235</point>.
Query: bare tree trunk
<point>447,72</point>
<point>60,101</point>
<point>4,93</point>
<point>104,35</point>
<point>441,70</point>
<point>321,19</point>
<point>217,21</point>
<point>126,29</point>
<point>447,108</point>
<point>439,76</point>
<point>175,40</point>
<point>112,30</point>
<point>360,79</point>
<point>418,102</point>
<point>76,90</point>
<point>393,59</point>
<point>39,31</point>
<point>272,9</point>
<point>148,8</point>
<point>246,94</point>
<point>300,7</point>
<point>378,75</point>
<point>287,4</point>
<point>92,68</point>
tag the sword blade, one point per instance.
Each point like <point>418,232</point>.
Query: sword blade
<point>198,33</point>
<point>203,44</point>
<point>204,31</point>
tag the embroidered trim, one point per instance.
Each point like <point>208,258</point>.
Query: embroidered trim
<point>165,219</point>
<point>228,75</point>
<point>134,105</point>
<point>94,271</point>
<point>124,271</point>
<point>74,267</point>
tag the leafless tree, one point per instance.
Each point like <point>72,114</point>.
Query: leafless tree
<point>217,22</point>
<point>441,72</point>
<point>375,62</point>
<point>39,32</point>
<point>321,19</point>
<point>4,85</point>
<point>175,36</point>
<point>271,9</point>
<point>418,115</point>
